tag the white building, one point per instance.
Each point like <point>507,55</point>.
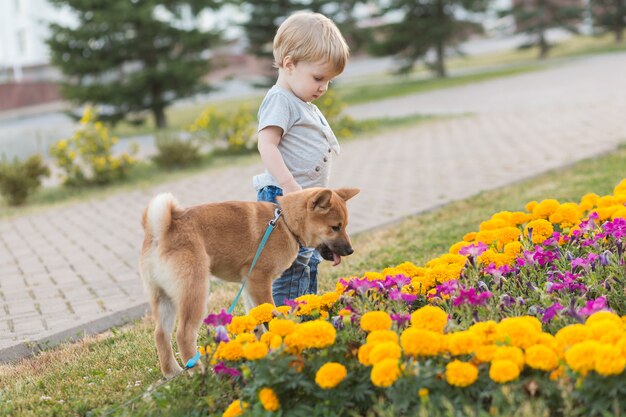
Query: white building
<point>23,31</point>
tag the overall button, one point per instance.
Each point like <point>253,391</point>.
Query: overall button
<point>325,159</point>
<point>328,150</point>
<point>317,169</point>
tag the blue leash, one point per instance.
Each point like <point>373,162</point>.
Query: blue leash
<point>270,227</point>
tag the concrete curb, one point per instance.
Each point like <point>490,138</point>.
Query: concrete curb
<point>23,350</point>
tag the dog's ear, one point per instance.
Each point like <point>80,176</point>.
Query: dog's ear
<point>321,200</point>
<point>347,193</point>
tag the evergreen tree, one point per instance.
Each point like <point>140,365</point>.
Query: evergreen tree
<point>425,25</point>
<point>610,15</point>
<point>536,17</point>
<point>132,56</point>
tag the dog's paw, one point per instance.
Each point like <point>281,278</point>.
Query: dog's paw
<point>172,371</point>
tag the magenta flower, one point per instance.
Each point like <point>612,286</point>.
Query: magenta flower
<point>400,319</point>
<point>448,287</point>
<point>550,312</point>
<point>220,319</point>
<point>362,285</point>
<point>221,369</point>
<point>593,306</point>
<point>399,281</point>
<point>397,295</point>
<point>474,250</point>
<point>472,297</point>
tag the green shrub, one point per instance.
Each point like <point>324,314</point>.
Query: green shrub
<point>86,158</point>
<point>20,179</point>
<point>176,152</point>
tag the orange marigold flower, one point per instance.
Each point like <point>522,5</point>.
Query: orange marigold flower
<point>262,313</point>
<point>242,324</point>
<point>385,350</point>
<point>385,373</point>
<point>422,342</point>
<point>581,357</point>
<point>430,318</point>
<point>541,357</point>
<point>541,230</point>
<point>235,409</point>
<point>609,360</point>
<point>375,320</point>
<point>330,375</point>
<point>503,371</point>
<point>382,336</point>
<point>268,399</point>
<point>461,374</point>
<point>230,351</point>
<point>282,327</point>
<point>255,351</point>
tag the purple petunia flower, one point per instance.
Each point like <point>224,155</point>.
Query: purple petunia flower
<point>220,319</point>
<point>550,312</point>
<point>397,295</point>
<point>472,297</point>
<point>474,250</point>
<point>400,319</point>
<point>293,304</point>
<point>398,281</point>
<point>362,285</point>
<point>593,306</point>
<point>221,335</point>
<point>221,369</point>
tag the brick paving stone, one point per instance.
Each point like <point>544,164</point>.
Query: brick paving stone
<point>76,266</point>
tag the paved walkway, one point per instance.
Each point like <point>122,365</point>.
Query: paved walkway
<point>73,270</point>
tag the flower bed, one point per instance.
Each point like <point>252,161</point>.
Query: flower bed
<point>525,316</point>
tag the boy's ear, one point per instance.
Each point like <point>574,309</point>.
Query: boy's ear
<point>288,63</point>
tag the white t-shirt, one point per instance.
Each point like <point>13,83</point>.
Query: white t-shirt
<point>307,144</point>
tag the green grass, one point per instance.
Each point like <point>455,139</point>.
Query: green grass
<point>105,371</point>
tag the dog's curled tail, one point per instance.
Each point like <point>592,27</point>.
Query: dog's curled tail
<point>158,216</point>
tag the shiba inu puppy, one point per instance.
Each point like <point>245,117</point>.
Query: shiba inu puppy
<point>183,247</point>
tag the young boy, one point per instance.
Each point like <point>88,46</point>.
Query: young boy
<point>295,141</point>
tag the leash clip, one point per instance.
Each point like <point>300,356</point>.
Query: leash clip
<point>277,213</point>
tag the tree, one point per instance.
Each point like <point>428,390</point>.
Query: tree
<point>132,56</point>
<point>425,25</point>
<point>610,15</point>
<point>536,17</point>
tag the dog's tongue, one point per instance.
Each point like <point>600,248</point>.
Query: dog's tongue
<point>336,259</point>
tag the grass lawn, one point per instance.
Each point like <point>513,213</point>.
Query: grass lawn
<point>99,373</point>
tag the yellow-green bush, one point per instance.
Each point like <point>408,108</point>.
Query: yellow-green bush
<point>232,132</point>
<point>87,158</point>
<point>19,179</point>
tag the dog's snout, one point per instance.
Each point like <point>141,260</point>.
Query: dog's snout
<point>349,251</point>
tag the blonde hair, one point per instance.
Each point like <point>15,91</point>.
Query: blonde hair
<point>310,37</point>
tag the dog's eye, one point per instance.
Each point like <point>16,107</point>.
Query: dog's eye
<point>336,228</point>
